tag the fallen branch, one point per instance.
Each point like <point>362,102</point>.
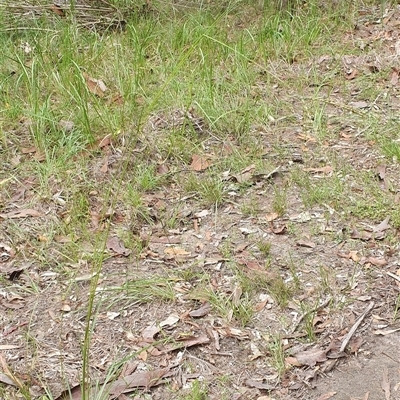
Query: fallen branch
<point>355,327</point>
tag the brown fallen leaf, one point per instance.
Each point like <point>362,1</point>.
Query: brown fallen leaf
<point>359,104</point>
<point>8,373</point>
<point>176,252</point>
<point>136,380</point>
<point>292,361</point>
<point>149,332</point>
<point>351,255</point>
<point>28,212</point>
<point>201,312</point>
<point>278,229</point>
<point>28,150</point>
<point>253,383</point>
<point>383,226</point>
<point>104,167</point>
<point>245,175</point>
<point>355,344</point>
<point>271,216</point>
<point>351,74</point>
<point>57,10</point>
<point>325,170</point>
<point>394,76</point>
<point>105,141</point>
<point>95,86</point>
<point>117,247</point>
<point>355,234</point>
<point>6,380</point>
<point>187,342</point>
<point>71,394</point>
<point>378,262</point>
<point>311,357</point>
<point>386,332</point>
<point>381,171</point>
<point>199,163</point>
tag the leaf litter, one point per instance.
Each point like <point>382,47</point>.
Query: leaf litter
<point>226,247</point>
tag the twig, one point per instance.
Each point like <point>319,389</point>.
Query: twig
<point>394,276</point>
<point>322,305</point>
<point>355,326</point>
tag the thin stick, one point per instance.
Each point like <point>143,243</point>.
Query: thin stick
<point>317,308</point>
<point>355,326</point>
<point>394,276</point>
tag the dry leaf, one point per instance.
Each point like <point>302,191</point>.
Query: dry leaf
<point>95,86</point>
<point>57,10</point>
<point>359,104</point>
<point>351,255</point>
<point>260,306</point>
<point>383,226</point>
<point>106,141</point>
<point>292,361</point>
<point>199,163</point>
<point>149,332</point>
<point>387,332</point>
<point>162,169</point>
<point>9,346</point>
<point>104,167</point>
<point>394,78</point>
<point>279,229</point>
<point>201,312</point>
<point>176,251</point>
<point>21,214</point>
<point>311,357</point>
<point>258,384</point>
<point>117,247</point>
<point>381,171</point>
<point>355,234</point>
<point>306,138</point>
<point>325,170</point>
<point>245,175</point>
<point>378,262</point>
<point>351,74</point>
<point>355,344</point>
<point>6,380</point>
<point>71,394</point>
<point>131,382</point>
<point>28,150</point>
<point>271,216</point>
<point>187,342</point>
<point>170,321</point>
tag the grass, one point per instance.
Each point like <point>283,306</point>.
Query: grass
<point>241,85</point>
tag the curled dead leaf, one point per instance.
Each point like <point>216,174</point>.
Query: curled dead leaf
<point>95,86</point>
<point>378,262</point>
<point>258,384</point>
<point>271,216</point>
<point>201,312</point>
<point>116,246</point>
<point>199,163</point>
